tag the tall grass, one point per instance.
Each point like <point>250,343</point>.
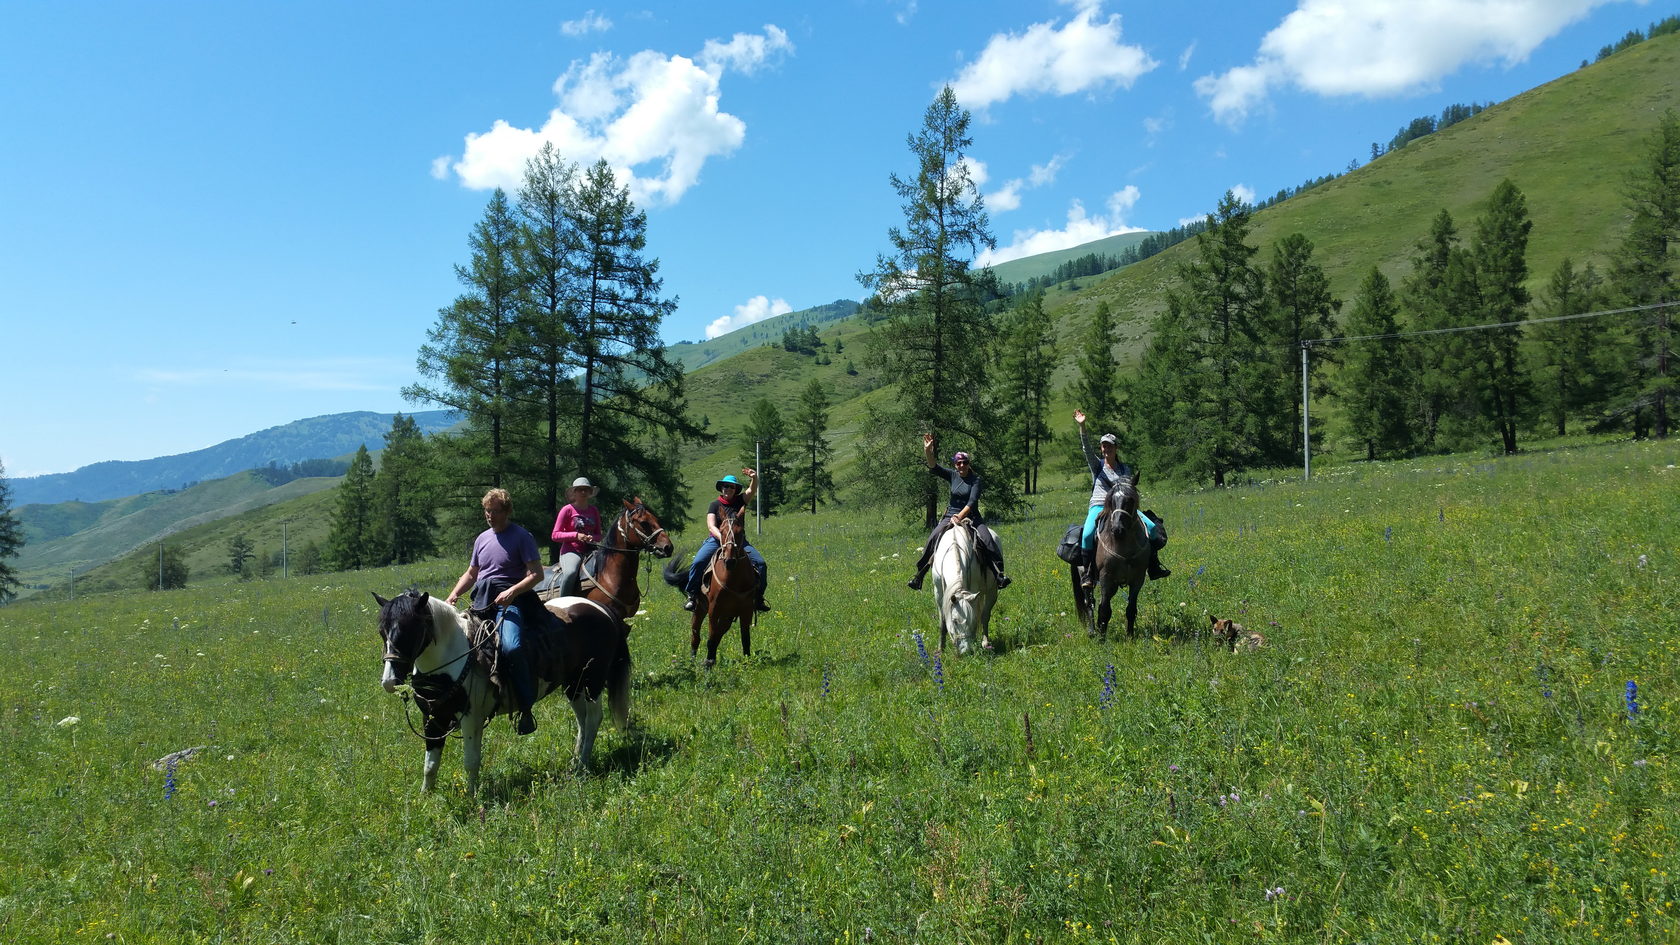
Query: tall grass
<point>1437,744</point>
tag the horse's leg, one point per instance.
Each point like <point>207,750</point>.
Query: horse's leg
<point>1131,606</point>
<point>746,633</point>
<point>718,626</point>
<point>472,744</point>
<point>1105,611</point>
<point>428,772</point>
<point>588,712</point>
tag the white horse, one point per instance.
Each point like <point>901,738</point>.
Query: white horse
<point>428,638</point>
<point>965,588</point>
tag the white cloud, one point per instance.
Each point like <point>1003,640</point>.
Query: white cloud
<point>1184,57</point>
<point>654,118</point>
<point>1081,228</point>
<point>590,22</point>
<point>755,309</point>
<point>440,167</point>
<point>905,15</point>
<point>1244,193</point>
<point>324,374</point>
<point>1378,48</point>
<point>1081,54</point>
<point>1008,196</point>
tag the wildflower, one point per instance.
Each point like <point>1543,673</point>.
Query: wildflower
<point>1173,768</point>
<point>825,681</point>
<point>1632,699</point>
<point>1643,561</point>
<point>1388,533</point>
<point>1272,893</point>
<point>1107,697</point>
<point>921,647</point>
<point>212,803</point>
<point>69,721</point>
<point>169,779</point>
<point>938,673</point>
<point>1639,762</point>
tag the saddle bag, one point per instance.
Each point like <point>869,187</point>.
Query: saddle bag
<point>1068,550</point>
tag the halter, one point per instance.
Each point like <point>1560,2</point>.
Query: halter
<point>624,523</point>
<point>456,683</point>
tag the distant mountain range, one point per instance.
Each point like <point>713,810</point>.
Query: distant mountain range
<point>325,437</point>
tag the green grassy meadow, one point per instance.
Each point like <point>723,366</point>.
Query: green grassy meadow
<point>1436,745</point>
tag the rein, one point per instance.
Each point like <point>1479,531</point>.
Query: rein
<point>456,683</point>
<point>623,524</point>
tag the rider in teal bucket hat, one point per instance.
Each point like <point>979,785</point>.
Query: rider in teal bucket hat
<point>731,502</point>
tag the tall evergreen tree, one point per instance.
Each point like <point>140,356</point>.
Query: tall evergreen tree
<point>1371,377</point>
<point>1300,306</point>
<point>1228,388</point>
<point>811,481</point>
<point>934,334</point>
<point>1500,251</point>
<point>353,542</point>
<point>11,540</point>
<point>1647,271</point>
<point>1097,387</point>
<point>1571,369</point>
<point>241,552</point>
<point>405,495</point>
<point>763,444</point>
<point>165,570</point>
<point>632,407</point>
<point>544,258</point>
<point>474,351</point>
<point>1435,296</point>
<point>1027,357</point>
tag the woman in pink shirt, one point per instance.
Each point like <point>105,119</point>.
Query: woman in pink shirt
<point>577,528</point>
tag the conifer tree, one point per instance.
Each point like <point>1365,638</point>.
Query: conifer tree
<point>763,444</point>
<point>632,408</point>
<point>1500,383</point>
<point>1431,298</point>
<point>353,542</point>
<point>1571,369</point>
<point>474,351</point>
<point>1647,271</point>
<point>165,570</point>
<point>1371,375</point>
<point>1224,385</point>
<point>932,334</point>
<point>11,541</point>
<point>1027,357</point>
<point>1300,306</point>
<point>811,481</point>
<point>1097,387</point>
<point>543,253</point>
<point>405,495</point>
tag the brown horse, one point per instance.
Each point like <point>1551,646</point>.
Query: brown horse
<point>729,592</point>
<point>1122,558</point>
<point>610,573</point>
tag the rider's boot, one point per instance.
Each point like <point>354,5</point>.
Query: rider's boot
<point>689,604</point>
<point>916,582</point>
<point>761,605</point>
<point>1156,569</point>
<point>1088,568</point>
<point>1002,579</point>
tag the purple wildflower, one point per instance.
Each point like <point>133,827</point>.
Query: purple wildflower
<point>1632,699</point>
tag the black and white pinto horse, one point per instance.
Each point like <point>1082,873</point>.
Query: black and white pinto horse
<point>432,645</point>
<point>965,587</point>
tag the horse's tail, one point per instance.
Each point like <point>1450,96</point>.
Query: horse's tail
<point>618,684</point>
<point>675,576</point>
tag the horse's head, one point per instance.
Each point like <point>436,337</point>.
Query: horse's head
<point>405,624</point>
<point>729,548</point>
<point>640,530</point>
<point>1121,504</point>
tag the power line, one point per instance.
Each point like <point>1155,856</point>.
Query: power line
<point>1309,342</point>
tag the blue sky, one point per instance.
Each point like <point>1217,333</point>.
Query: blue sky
<point>220,217</point>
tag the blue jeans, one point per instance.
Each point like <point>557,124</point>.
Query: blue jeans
<point>517,668</point>
<point>703,560</point>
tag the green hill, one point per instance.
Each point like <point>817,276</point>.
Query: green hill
<point>76,537</point>
<point>1568,145</point>
<point>1031,267</point>
<point>693,355</point>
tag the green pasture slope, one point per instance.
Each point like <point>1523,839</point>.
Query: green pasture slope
<point>1437,744</point>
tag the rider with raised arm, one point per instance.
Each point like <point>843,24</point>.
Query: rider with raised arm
<point>962,506</point>
<point>1106,470</point>
<point>730,503</point>
<point>504,567</point>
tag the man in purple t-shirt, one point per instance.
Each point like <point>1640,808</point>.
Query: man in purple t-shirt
<point>505,566</point>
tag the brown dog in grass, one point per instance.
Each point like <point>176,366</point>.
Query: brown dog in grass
<point>1235,635</point>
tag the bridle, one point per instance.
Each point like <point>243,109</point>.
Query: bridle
<point>623,528</point>
<point>436,693</point>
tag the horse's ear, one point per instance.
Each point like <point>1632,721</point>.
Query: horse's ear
<point>424,597</point>
<point>1212,619</point>
<point>382,601</point>
<point>631,503</point>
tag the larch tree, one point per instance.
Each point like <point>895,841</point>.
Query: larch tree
<point>11,541</point>
<point>1097,385</point>
<point>1647,272</point>
<point>353,542</point>
<point>1500,251</point>
<point>474,351</point>
<point>763,444</point>
<point>1300,307</point>
<point>1371,374</point>
<point>405,495</point>
<point>810,481</point>
<point>1570,367</point>
<point>1026,360</point>
<point>933,334</point>
<point>632,409</point>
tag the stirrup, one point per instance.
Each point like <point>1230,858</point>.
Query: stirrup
<point>688,604</point>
